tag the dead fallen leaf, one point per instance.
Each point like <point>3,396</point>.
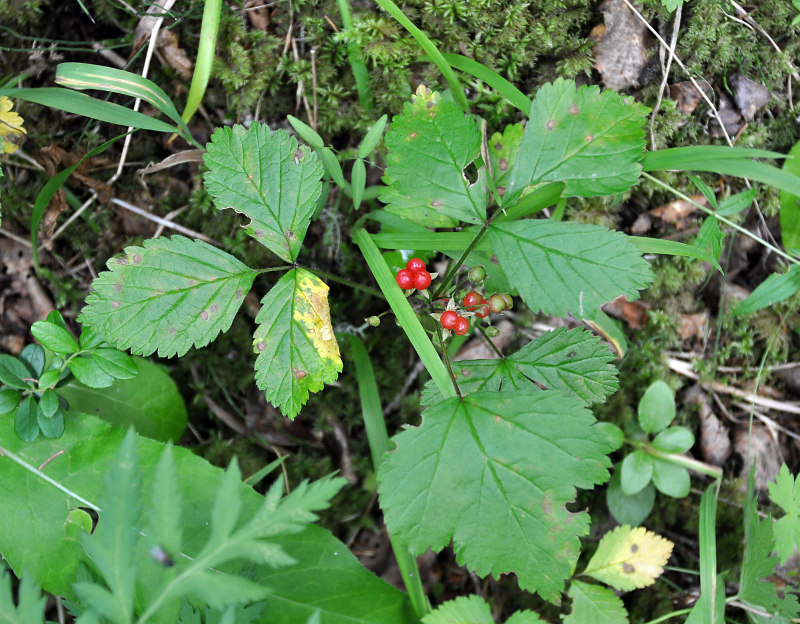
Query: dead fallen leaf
<point>620,55</point>
<point>674,213</point>
<point>175,55</point>
<point>715,443</point>
<point>693,326</point>
<point>687,96</point>
<point>258,13</point>
<point>634,313</point>
<point>731,118</point>
<point>764,451</point>
<point>749,95</point>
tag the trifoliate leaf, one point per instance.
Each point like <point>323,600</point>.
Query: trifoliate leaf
<point>170,295</point>
<point>31,602</point>
<point>572,360</point>
<point>12,134</point>
<point>493,472</point>
<point>430,144</point>
<point>592,604</point>
<point>297,351</point>
<point>590,140</point>
<point>785,493</point>
<point>562,267</point>
<point>629,558</point>
<point>266,177</point>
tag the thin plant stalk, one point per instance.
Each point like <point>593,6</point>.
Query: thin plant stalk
<point>356,62</point>
<point>378,439</point>
<point>205,57</point>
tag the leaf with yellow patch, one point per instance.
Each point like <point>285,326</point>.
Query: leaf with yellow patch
<point>297,351</point>
<point>11,131</point>
<point>629,558</point>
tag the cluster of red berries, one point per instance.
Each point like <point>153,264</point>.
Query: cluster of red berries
<point>451,319</point>
<point>414,275</point>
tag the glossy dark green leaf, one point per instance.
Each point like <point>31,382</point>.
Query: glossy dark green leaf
<point>55,338</point>
<point>12,372</point>
<point>26,422</point>
<point>49,378</point>
<point>48,403</point>
<point>9,399</point>
<point>116,363</point>
<point>33,357</point>
<point>674,440</point>
<point>89,373</point>
<point>52,427</point>
<point>637,470</point>
<point>671,479</point>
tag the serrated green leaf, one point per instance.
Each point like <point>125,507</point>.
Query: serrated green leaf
<point>170,295</point>
<point>710,237</point>
<point>55,338</point>
<point>496,470</point>
<point>674,440</point>
<point>26,422</point>
<point>671,5</point>
<point>636,472</point>
<point>9,399</point>
<point>33,357</point>
<point>88,372</point>
<point>430,144</point>
<point>268,179</point>
<point>571,360</point>
<point>462,610</point>
<point>163,516</point>
<point>785,493</point>
<point>628,509</point>
<point>629,558</point>
<point>150,402</point>
<point>12,372</point>
<point>358,180</point>
<point>790,203</point>
<point>592,604</point>
<point>656,408</point>
<point>590,140</point>
<point>503,149</point>
<point>562,267</point>
<point>116,363</point>
<point>372,137</point>
<point>297,351</point>
<point>30,609</point>
<point>671,479</point>
<point>33,515</point>
<point>772,290</point>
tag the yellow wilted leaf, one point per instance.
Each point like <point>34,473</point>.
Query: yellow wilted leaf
<point>11,130</point>
<point>311,310</point>
<point>629,558</point>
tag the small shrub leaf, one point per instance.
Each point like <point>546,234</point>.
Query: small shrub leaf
<point>671,479</point>
<point>591,140</point>
<point>26,420</point>
<point>674,440</point>
<point>89,373</point>
<point>562,267</point>
<point>12,372</point>
<point>55,338</point>
<point>636,472</point>
<point>430,144</point>
<point>629,558</point>
<point>9,399</point>
<point>266,177</point>
<point>169,295</point>
<point>656,408</point>
<point>33,357</point>
<point>116,363</point>
<point>592,604</point>
<point>297,350</point>
<point>497,469</point>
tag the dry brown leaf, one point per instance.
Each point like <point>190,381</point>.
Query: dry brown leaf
<point>687,96</point>
<point>257,12</point>
<point>634,313</point>
<point>175,56</point>
<point>715,443</point>
<point>620,55</point>
<point>731,118</point>
<point>764,451</point>
<point>674,213</point>
<point>749,95</point>
<point>693,326</point>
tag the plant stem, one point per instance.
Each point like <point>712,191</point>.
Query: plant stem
<point>456,265</point>
<point>491,342</point>
<point>669,616</point>
<point>724,220</point>
<point>379,445</point>
<point>205,57</point>
<point>682,460</point>
<point>446,359</point>
<point>355,285</point>
<point>356,62</point>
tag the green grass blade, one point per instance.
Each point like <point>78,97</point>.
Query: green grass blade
<point>405,314</point>
<point>540,198</point>
<point>356,62</point>
<point>205,57</point>
<point>491,78</point>
<point>673,248</point>
<point>678,157</point>
<point>430,49</point>
<point>81,104</point>
<point>86,76</point>
<point>708,555</point>
<point>51,188</point>
<point>430,241</point>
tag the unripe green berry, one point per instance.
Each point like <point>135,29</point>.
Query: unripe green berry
<point>509,301</point>
<point>492,331</point>
<point>372,321</point>
<point>477,274</point>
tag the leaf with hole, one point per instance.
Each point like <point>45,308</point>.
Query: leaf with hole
<point>167,296</point>
<point>493,472</point>
<point>430,145</point>
<point>297,351</point>
<point>268,178</point>
<point>562,267</point>
<point>591,140</point>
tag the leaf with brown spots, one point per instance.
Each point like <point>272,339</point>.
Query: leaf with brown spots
<point>629,558</point>
<point>169,295</point>
<point>493,472</point>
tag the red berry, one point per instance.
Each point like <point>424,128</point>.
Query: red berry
<point>482,311</point>
<point>472,299</point>
<point>449,319</point>
<point>415,264</point>
<point>405,279</point>
<point>422,279</point>
<point>462,326</point>
<point>497,303</point>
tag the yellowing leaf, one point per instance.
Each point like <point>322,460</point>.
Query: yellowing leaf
<point>629,558</point>
<point>11,130</point>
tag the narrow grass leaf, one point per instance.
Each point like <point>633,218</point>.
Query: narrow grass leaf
<point>491,78</point>
<point>777,287</point>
